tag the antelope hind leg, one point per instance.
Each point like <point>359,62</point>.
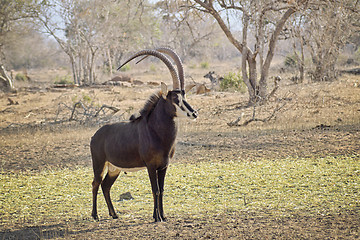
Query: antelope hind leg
<point>106,186</point>
<point>95,187</point>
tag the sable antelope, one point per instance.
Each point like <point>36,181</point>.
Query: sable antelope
<point>215,80</point>
<point>146,141</point>
<point>200,88</point>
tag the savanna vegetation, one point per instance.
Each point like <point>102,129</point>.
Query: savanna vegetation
<point>274,153</point>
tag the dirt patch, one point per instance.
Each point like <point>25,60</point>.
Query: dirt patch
<point>235,225</point>
<point>68,147</point>
<point>318,120</point>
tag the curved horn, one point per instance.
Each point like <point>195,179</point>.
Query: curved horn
<point>177,61</point>
<point>163,58</point>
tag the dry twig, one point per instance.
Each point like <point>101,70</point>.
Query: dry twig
<point>281,104</point>
<point>80,112</point>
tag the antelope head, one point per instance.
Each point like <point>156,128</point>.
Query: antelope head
<point>177,96</point>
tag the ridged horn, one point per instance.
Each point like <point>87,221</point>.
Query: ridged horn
<point>163,58</point>
<point>177,61</point>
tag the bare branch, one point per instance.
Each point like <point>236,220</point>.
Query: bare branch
<point>254,119</point>
<point>209,7</point>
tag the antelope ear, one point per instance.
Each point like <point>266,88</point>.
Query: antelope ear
<point>164,90</point>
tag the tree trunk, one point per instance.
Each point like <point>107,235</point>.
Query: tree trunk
<point>7,82</point>
<point>245,77</point>
<point>248,78</point>
<point>74,71</point>
<point>300,60</point>
<point>91,66</point>
<point>108,53</point>
<point>271,51</point>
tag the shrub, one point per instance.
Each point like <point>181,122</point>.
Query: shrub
<point>204,65</point>
<point>193,66</point>
<point>86,98</point>
<point>63,80</point>
<point>290,61</point>
<point>125,68</point>
<point>21,77</point>
<point>233,81</point>
<point>357,55</point>
<point>152,68</point>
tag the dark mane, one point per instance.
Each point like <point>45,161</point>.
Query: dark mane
<point>148,107</point>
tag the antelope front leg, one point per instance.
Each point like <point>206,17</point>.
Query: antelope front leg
<point>155,192</point>
<point>161,179</point>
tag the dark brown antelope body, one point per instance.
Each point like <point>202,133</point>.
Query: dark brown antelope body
<point>146,141</point>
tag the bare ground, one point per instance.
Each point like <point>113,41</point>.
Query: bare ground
<point>318,120</point>
<point>236,225</point>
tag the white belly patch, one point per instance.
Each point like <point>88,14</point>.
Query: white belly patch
<point>114,170</point>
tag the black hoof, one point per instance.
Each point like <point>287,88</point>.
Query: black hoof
<point>160,219</point>
<point>115,217</point>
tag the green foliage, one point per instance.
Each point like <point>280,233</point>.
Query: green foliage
<point>357,55</point>
<point>290,61</point>
<point>282,187</point>
<point>63,80</point>
<point>86,99</point>
<point>204,65</point>
<point>21,77</point>
<point>192,66</point>
<point>233,81</point>
<point>152,68</point>
<point>125,68</point>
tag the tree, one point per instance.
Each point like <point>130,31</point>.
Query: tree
<point>11,13</point>
<point>127,26</point>
<point>327,27</point>
<point>66,21</point>
<point>296,33</point>
<point>27,47</point>
<point>90,30</point>
<point>184,32</point>
<point>265,19</point>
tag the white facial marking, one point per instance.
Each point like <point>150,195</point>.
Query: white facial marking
<point>182,110</point>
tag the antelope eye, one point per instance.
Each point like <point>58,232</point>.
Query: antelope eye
<point>175,99</point>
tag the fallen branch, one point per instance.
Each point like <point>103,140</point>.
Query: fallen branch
<point>236,122</point>
<point>272,115</point>
<point>12,102</point>
<point>277,109</point>
<point>76,105</point>
<point>114,109</point>
<point>80,112</point>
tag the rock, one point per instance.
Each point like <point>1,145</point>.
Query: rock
<point>125,196</point>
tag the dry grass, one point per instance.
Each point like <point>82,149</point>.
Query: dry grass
<point>282,188</point>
